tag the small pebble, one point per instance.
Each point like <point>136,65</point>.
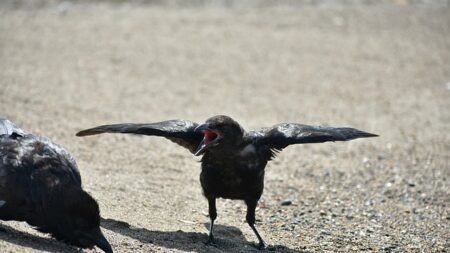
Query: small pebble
<point>286,203</point>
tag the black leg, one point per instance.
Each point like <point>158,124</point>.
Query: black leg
<point>212,216</point>
<point>251,206</point>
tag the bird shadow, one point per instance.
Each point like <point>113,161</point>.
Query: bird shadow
<point>12,235</point>
<point>228,239</point>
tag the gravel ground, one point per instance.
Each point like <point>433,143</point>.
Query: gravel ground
<point>380,68</point>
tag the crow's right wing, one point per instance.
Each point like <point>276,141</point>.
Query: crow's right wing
<point>179,131</point>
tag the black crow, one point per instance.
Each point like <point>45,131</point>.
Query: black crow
<point>233,159</point>
<point>40,184</point>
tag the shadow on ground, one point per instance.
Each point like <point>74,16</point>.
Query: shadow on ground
<point>11,235</point>
<point>227,238</point>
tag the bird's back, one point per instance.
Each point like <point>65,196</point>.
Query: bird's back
<point>30,168</point>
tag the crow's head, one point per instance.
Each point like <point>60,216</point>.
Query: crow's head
<point>219,132</point>
<point>74,217</point>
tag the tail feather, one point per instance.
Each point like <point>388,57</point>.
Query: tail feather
<point>9,128</point>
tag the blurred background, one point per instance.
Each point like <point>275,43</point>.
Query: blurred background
<point>379,66</point>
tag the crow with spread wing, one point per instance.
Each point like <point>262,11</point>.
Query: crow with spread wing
<point>233,159</point>
<point>40,184</point>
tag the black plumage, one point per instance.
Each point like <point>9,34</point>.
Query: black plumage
<point>41,185</point>
<point>233,159</point>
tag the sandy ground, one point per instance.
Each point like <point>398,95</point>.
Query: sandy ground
<point>380,68</point>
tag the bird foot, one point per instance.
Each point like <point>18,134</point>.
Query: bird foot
<point>211,242</point>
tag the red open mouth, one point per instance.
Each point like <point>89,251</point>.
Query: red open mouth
<point>209,136</point>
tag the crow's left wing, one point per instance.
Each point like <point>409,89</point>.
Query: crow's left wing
<point>285,134</point>
<point>179,131</point>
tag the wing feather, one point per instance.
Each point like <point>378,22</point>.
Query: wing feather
<point>179,131</point>
<point>285,134</point>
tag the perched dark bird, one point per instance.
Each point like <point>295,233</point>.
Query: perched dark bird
<point>233,159</point>
<point>40,184</point>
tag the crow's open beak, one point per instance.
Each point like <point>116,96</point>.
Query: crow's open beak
<point>100,241</point>
<point>201,128</point>
<point>201,147</point>
<point>210,137</point>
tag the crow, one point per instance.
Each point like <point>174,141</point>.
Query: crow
<point>41,185</point>
<point>233,162</point>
